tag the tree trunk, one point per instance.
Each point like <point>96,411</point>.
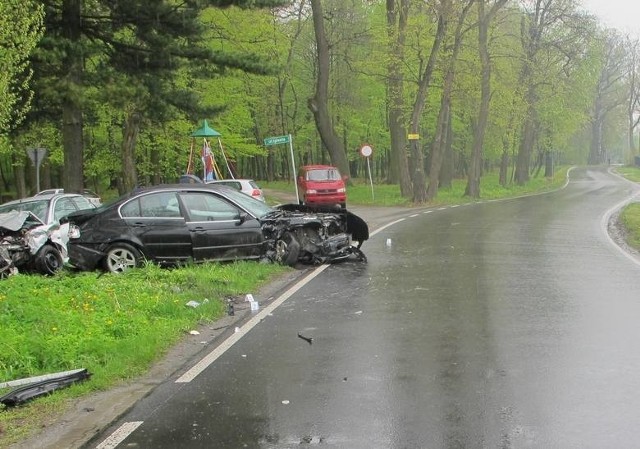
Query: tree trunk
<point>318,104</point>
<point>595,151</point>
<point>71,113</point>
<point>129,138</point>
<point>399,170</point>
<point>523,160</point>
<point>446,172</point>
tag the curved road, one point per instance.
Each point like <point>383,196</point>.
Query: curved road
<point>511,324</point>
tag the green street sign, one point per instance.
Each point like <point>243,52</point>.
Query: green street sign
<point>276,140</point>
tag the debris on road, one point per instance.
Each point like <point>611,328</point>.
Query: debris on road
<point>307,339</point>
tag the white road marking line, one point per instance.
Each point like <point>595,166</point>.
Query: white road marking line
<point>225,345</point>
<point>386,226</point>
<point>413,216</point>
<point>119,435</point>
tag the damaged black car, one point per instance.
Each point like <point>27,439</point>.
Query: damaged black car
<point>174,224</point>
<point>27,244</point>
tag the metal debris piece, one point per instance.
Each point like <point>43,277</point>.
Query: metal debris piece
<point>307,339</point>
<point>42,388</point>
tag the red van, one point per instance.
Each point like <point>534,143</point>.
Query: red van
<point>321,184</point>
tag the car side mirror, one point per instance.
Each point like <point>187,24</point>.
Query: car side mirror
<point>242,217</point>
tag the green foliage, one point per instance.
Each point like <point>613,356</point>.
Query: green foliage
<point>21,26</point>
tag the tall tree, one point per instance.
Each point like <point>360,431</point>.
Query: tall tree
<point>319,103</point>
<point>633,102</point>
<point>397,17</point>
<point>418,175</point>
<point>609,92</point>
<point>475,165</point>
<point>438,147</point>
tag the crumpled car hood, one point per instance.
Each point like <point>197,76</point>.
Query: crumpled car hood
<point>22,229</point>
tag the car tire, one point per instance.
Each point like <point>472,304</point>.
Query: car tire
<point>48,260</point>
<point>287,250</point>
<point>121,257</point>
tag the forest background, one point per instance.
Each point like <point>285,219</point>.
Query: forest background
<point>440,89</point>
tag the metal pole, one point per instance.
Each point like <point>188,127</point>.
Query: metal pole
<point>37,169</point>
<point>293,169</point>
<point>370,178</point>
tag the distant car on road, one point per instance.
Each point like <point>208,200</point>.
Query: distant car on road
<point>246,186</point>
<point>180,223</point>
<point>322,185</point>
<point>93,197</point>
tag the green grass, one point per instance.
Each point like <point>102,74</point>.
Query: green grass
<point>630,219</point>
<point>630,214</point>
<point>116,326</point>
<point>630,172</point>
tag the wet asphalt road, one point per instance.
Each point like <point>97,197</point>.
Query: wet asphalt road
<point>511,324</point>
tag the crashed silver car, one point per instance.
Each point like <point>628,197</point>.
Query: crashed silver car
<point>182,223</point>
<point>27,244</point>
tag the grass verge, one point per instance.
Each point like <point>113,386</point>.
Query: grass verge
<point>115,326</point>
<point>361,193</point>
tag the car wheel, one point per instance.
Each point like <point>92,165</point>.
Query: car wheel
<point>343,205</point>
<point>287,250</point>
<point>48,260</point>
<point>121,257</point>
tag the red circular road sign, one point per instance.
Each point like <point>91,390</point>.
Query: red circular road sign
<point>366,150</point>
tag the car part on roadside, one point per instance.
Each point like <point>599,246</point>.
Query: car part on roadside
<point>187,222</point>
<point>40,388</point>
<point>30,245</point>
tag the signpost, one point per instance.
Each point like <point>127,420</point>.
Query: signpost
<point>366,151</point>
<point>278,140</point>
<point>37,155</point>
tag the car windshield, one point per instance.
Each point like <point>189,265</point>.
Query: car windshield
<point>323,175</point>
<point>39,208</point>
<point>255,207</point>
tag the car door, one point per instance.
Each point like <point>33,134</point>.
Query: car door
<point>219,229</point>
<point>155,222</point>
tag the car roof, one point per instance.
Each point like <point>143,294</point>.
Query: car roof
<point>317,166</point>
<point>43,197</point>
<point>214,181</point>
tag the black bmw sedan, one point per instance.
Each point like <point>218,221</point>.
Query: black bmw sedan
<point>173,224</point>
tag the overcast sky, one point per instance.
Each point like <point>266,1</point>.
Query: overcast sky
<point>621,14</point>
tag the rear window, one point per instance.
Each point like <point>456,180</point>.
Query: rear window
<point>235,184</point>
